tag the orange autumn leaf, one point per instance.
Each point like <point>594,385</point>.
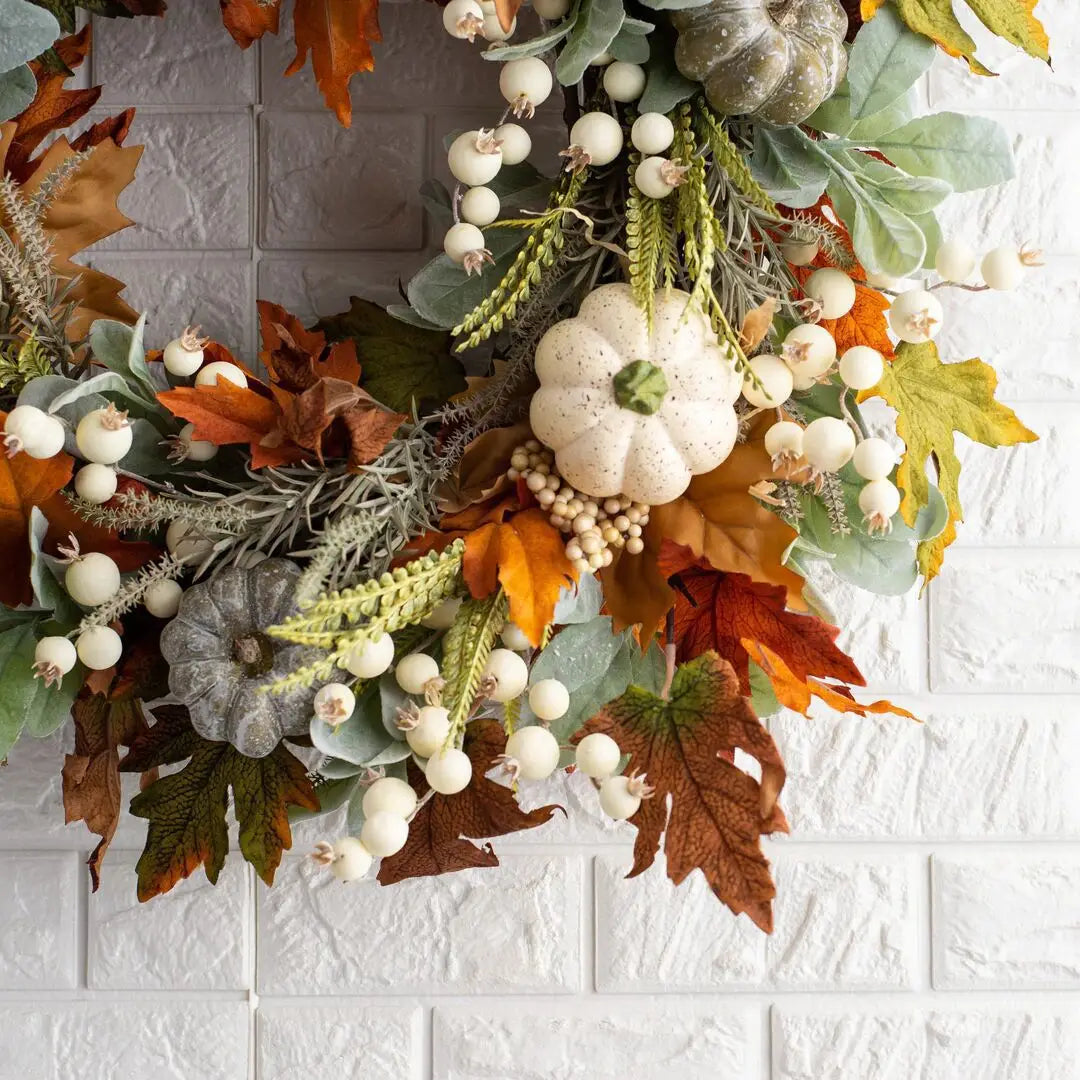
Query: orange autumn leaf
<point>338,34</point>
<point>507,10</point>
<point>795,693</point>
<point>864,324</point>
<point>248,20</point>
<point>525,555</point>
<point>718,612</point>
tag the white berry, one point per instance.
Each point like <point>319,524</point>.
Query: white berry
<point>54,657</point>
<point>955,261</point>
<point>915,316</point>
<point>213,373</point>
<point>460,240</point>
<point>600,135</point>
<point>551,9</point>
<point>95,483</point>
<point>370,660</point>
<point>92,579</point>
<point>601,60</point>
<point>861,367</point>
<point>104,436</point>
<point>29,430</point>
<point>479,206</point>
<point>510,672</point>
<point>184,540</point>
<point>183,356</point>
<point>516,143</point>
<point>415,671</point>
<point>652,133</point>
<point>833,290</point>
<point>526,84</point>
<point>624,81</point>
<point>549,699</point>
<point>391,794</point>
<point>597,755</point>
<point>800,252</point>
<point>334,703</point>
<point>535,750</point>
<point>384,833</point>
<point>651,178</point>
<point>775,382</point>
<point>1002,268</point>
<point>784,439</point>
<point>809,350</point>
<point>828,443</point>
<point>442,618</point>
<point>430,732</point>
<point>513,637</point>
<point>448,772</point>
<point>463,19</point>
<point>162,598</point>
<point>195,449</point>
<point>879,498</point>
<point>99,647</point>
<point>351,860</point>
<point>616,799</point>
<point>874,459</point>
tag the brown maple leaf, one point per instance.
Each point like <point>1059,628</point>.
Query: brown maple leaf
<point>683,745</point>
<point>440,832</point>
<point>248,20</point>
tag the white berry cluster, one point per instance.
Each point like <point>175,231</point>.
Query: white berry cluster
<point>598,756</point>
<point>596,527</point>
<point>1001,269</point>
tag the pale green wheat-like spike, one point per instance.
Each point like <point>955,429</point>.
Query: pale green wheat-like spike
<point>466,648</point>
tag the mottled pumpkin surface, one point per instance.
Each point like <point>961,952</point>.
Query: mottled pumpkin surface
<point>220,657</point>
<point>773,61</point>
<point>605,449</point>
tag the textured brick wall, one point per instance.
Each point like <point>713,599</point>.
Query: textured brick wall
<point>928,926</point>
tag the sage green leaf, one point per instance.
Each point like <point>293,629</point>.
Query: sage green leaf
<point>637,26</point>
<point>886,60</point>
<point>630,47</point>
<point>665,85</point>
<point>25,31</point>
<point>787,165</point>
<point>579,604</point>
<point>360,738</point>
<point>597,23</point>
<point>967,152</point>
<point>912,195</point>
<point>536,46</point>
<point>871,127</point>
<point>17,89</point>
<point>46,577</point>
<point>332,795</point>
<point>119,347</point>
<point>674,5</point>
<point>833,114</point>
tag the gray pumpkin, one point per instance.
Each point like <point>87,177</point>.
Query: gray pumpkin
<point>219,656</point>
<point>770,60</point>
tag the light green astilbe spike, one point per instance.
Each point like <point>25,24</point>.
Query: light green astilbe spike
<point>646,236</point>
<point>466,649</point>
<point>727,156</point>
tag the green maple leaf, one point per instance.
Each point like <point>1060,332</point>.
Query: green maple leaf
<point>186,810</point>
<point>934,400</point>
<point>684,745</point>
<point>401,364</point>
<point>1013,20</point>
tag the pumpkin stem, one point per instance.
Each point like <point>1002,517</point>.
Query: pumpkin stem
<point>640,387</point>
<point>255,652</point>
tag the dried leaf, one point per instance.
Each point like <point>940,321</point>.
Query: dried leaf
<point>248,20</point>
<point>66,10</point>
<point>756,325</point>
<point>526,555</point>
<point>338,34</point>
<point>934,400</point>
<point>437,841</point>
<point>719,612</point>
<point>718,813</point>
<point>507,11</point>
<point>370,428</point>
<point>186,810</point>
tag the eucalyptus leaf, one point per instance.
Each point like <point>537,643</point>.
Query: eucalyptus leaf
<point>881,123</point>
<point>674,5</point>
<point>46,576</point>
<point>338,769</point>
<point>332,796</point>
<point>637,26</point>
<point>25,31</point>
<point>887,59</point>
<point>536,46</point>
<point>912,195</point>
<point>834,113</point>
<point>120,348</point>
<point>786,163</point>
<point>391,698</point>
<point>360,738</point>
<point>44,390</point>
<point>665,86</point>
<point>597,23</point>
<point>580,604</point>
<point>579,654</point>
<point>630,47</point>
<point>404,313</point>
<point>107,381</point>
<point>17,89</point>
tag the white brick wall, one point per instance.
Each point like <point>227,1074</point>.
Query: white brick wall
<point>928,925</point>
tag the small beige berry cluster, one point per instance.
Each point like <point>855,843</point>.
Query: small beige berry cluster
<point>596,526</point>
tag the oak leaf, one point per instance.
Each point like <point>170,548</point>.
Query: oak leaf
<point>440,832</point>
<point>933,401</point>
<point>720,612</point>
<point>718,813</point>
<point>526,554</point>
<point>186,810</point>
<point>338,34</point>
<point>248,20</point>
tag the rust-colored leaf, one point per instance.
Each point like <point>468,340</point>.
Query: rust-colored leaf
<point>684,746</point>
<point>248,20</point>
<point>224,413</point>
<point>756,324</point>
<point>526,555</point>
<point>507,11</point>
<point>370,428</point>
<point>439,834</point>
<point>116,128</point>
<point>338,34</point>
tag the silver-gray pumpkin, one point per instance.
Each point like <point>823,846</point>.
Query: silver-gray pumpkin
<point>771,60</point>
<point>219,656</point>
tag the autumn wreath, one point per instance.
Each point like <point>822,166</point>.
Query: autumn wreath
<point>561,509</point>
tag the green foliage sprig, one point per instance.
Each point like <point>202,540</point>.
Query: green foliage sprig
<point>466,649</point>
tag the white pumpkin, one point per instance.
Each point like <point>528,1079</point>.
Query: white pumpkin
<point>629,412</point>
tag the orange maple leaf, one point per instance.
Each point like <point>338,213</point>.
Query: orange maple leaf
<point>526,555</point>
<point>248,20</point>
<point>338,34</point>
<point>719,612</point>
<point>864,324</point>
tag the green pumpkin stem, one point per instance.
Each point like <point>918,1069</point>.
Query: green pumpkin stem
<point>640,387</point>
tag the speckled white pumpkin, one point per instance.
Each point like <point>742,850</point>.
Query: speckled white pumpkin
<point>601,445</point>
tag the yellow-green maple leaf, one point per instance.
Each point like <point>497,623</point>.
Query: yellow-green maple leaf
<point>934,400</point>
<point>1013,20</point>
